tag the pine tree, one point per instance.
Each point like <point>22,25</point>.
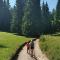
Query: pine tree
<point>58,10</point>
<point>6,17</point>
<point>20,5</point>
<point>58,16</point>
<point>32,18</point>
<point>53,21</point>
<point>46,17</point>
<point>13,27</point>
<point>36,17</point>
<point>8,3</point>
<point>1,14</point>
<point>26,21</point>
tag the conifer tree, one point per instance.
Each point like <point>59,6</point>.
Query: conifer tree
<point>19,10</point>
<point>36,17</point>
<point>32,18</point>
<point>6,16</point>
<point>58,10</point>
<point>13,27</point>
<point>26,21</point>
<point>45,17</point>
<point>1,14</point>
<point>58,16</point>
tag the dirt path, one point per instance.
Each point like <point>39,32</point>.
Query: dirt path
<point>23,55</point>
<point>38,53</point>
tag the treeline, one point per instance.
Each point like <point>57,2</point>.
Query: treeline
<point>29,18</point>
<point>5,16</point>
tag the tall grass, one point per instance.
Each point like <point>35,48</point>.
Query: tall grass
<point>51,46</point>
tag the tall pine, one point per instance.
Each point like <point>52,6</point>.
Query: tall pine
<point>31,24</point>
<point>45,17</point>
<point>58,16</point>
<point>26,21</point>
<point>13,27</point>
<point>19,9</point>
<point>6,16</point>
<point>36,17</point>
<point>1,14</point>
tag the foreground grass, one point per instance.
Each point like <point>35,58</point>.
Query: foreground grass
<point>9,43</point>
<point>51,46</point>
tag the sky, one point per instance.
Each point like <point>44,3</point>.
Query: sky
<point>51,3</point>
<point>12,2</point>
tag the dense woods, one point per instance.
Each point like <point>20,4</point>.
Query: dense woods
<point>5,15</point>
<point>29,18</point>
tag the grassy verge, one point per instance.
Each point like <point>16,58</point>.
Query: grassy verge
<point>9,43</point>
<point>50,44</point>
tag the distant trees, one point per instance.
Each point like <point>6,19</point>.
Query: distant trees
<point>45,18</point>
<point>4,15</point>
<point>36,17</point>
<point>58,16</point>
<point>1,13</point>
<point>26,21</point>
<point>20,12</point>
<point>13,24</point>
<point>53,21</point>
<point>58,10</point>
<point>31,22</point>
<point>17,15</point>
<point>29,18</point>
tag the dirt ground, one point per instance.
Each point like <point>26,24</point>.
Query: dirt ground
<point>23,55</point>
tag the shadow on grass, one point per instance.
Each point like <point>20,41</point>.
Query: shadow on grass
<point>55,34</point>
<point>2,46</point>
<point>15,56</point>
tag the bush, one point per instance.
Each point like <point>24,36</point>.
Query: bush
<point>42,38</point>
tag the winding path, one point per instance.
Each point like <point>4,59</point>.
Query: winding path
<point>23,55</point>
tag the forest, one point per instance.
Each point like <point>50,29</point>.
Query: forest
<point>29,18</point>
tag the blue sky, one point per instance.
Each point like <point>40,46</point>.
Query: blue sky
<point>12,2</point>
<point>51,3</point>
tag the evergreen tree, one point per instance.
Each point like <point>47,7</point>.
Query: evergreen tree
<point>43,16</point>
<point>20,5</point>
<point>58,10</point>
<point>6,17</point>
<point>13,27</point>
<point>26,21</point>
<point>53,21</point>
<point>1,14</point>
<point>58,16</point>
<point>8,3</point>
<point>46,17</point>
<point>36,17</point>
<point>32,18</point>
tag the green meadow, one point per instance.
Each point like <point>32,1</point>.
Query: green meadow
<point>9,43</point>
<point>50,45</point>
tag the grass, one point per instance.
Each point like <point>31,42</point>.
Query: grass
<point>50,44</point>
<point>9,43</point>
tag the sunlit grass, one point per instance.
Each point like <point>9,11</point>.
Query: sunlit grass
<point>50,44</point>
<point>9,43</point>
